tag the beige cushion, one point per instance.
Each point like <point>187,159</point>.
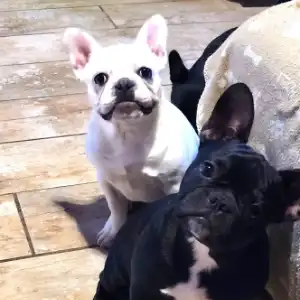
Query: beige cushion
<point>264,53</point>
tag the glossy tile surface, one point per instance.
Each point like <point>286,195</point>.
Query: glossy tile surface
<point>51,207</point>
<point>71,275</point>
<point>51,20</point>
<point>13,242</point>
<point>64,218</point>
<point>131,15</point>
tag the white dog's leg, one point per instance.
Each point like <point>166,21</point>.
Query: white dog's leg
<point>118,206</point>
<point>173,189</point>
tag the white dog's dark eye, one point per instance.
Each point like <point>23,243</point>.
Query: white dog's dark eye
<point>100,79</point>
<point>208,169</point>
<point>145,73</point>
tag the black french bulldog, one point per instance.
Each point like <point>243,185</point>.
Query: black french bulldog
<point>208,241</point>
<point>188,85</point>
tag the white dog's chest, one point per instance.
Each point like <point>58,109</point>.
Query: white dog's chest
<point>134,179</point>
<point>143,164</point>
<point>136,184</point>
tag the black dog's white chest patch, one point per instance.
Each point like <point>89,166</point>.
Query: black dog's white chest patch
<point>190,290</point>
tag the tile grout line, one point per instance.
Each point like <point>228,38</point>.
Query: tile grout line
<point>44,138</point>
<point>50,188</point>
<point>25,228</point>
<point>108,16</point>
<point>33,139</point>
<point>35,98</point>
<point>58,30</point>
<point>46,116</point>
<point>36,255</point>
<point>83,6</point>
<point>36,62</point>
<point>45,8</point>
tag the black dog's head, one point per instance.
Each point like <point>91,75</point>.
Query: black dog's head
<point>187,85</point>
<point>230,192</point>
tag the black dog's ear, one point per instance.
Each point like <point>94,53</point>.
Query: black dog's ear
<point>178,71</point>
<point>232,116</point>
<point>291,182</point>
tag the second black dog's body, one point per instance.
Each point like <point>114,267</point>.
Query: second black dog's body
<point>161,257</point>
<point>153,252</point>
<point>188,85</point>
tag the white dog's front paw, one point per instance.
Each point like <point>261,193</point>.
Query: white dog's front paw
<point>106,236</point>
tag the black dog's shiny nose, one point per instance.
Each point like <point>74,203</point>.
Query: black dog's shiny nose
<point>123,85</point>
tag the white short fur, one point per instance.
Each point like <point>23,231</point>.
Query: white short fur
<point>190,290</point>
<point>140,157</point>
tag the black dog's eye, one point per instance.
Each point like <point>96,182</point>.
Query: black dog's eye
<point>213,201</point>
<point>208,169</point>
<point>145,73</point>
<point>255,210</point>
<point>101,78</point>
<point>223,208</point>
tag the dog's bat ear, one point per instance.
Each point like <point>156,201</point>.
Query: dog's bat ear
<point>291,182</point>
<point>80,46</point>
<point>232,116</point>
<point>154,34</point>
<point>178,71</point>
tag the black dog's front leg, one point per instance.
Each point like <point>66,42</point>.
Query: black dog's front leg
<point>146,293</point>
<point>147,276</point>
<point>150,272</point>
<point>265,295</point>
<point>113,283</point>
<point>103,294</point>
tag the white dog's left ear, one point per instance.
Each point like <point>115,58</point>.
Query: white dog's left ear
<point>80,46</point>
<point>154,34</point>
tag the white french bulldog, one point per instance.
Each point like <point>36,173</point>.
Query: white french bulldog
<point>139,143</point>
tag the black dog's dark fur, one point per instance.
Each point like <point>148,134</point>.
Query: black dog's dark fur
<point>228,196</point>
<point>188,85</point>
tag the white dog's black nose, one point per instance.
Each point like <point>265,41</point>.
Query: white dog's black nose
<point>124,90</point>
<point>123,85</point>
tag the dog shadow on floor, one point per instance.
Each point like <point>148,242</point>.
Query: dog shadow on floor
<point>89,216</point>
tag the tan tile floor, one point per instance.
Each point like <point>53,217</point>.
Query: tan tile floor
<point>50,205</point>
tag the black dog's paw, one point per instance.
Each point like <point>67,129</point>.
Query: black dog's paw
<point>293,211</point>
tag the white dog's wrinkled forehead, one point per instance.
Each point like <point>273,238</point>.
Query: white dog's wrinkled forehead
<point>88,57</point>
<point>120,58</point>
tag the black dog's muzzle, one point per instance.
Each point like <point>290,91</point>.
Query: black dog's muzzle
<point>196,223</point>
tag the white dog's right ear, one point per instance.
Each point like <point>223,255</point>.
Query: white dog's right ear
<point>80,46</point>
<point>154,34</point>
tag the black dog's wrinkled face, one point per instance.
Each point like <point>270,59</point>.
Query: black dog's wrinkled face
<point>229,194</point>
